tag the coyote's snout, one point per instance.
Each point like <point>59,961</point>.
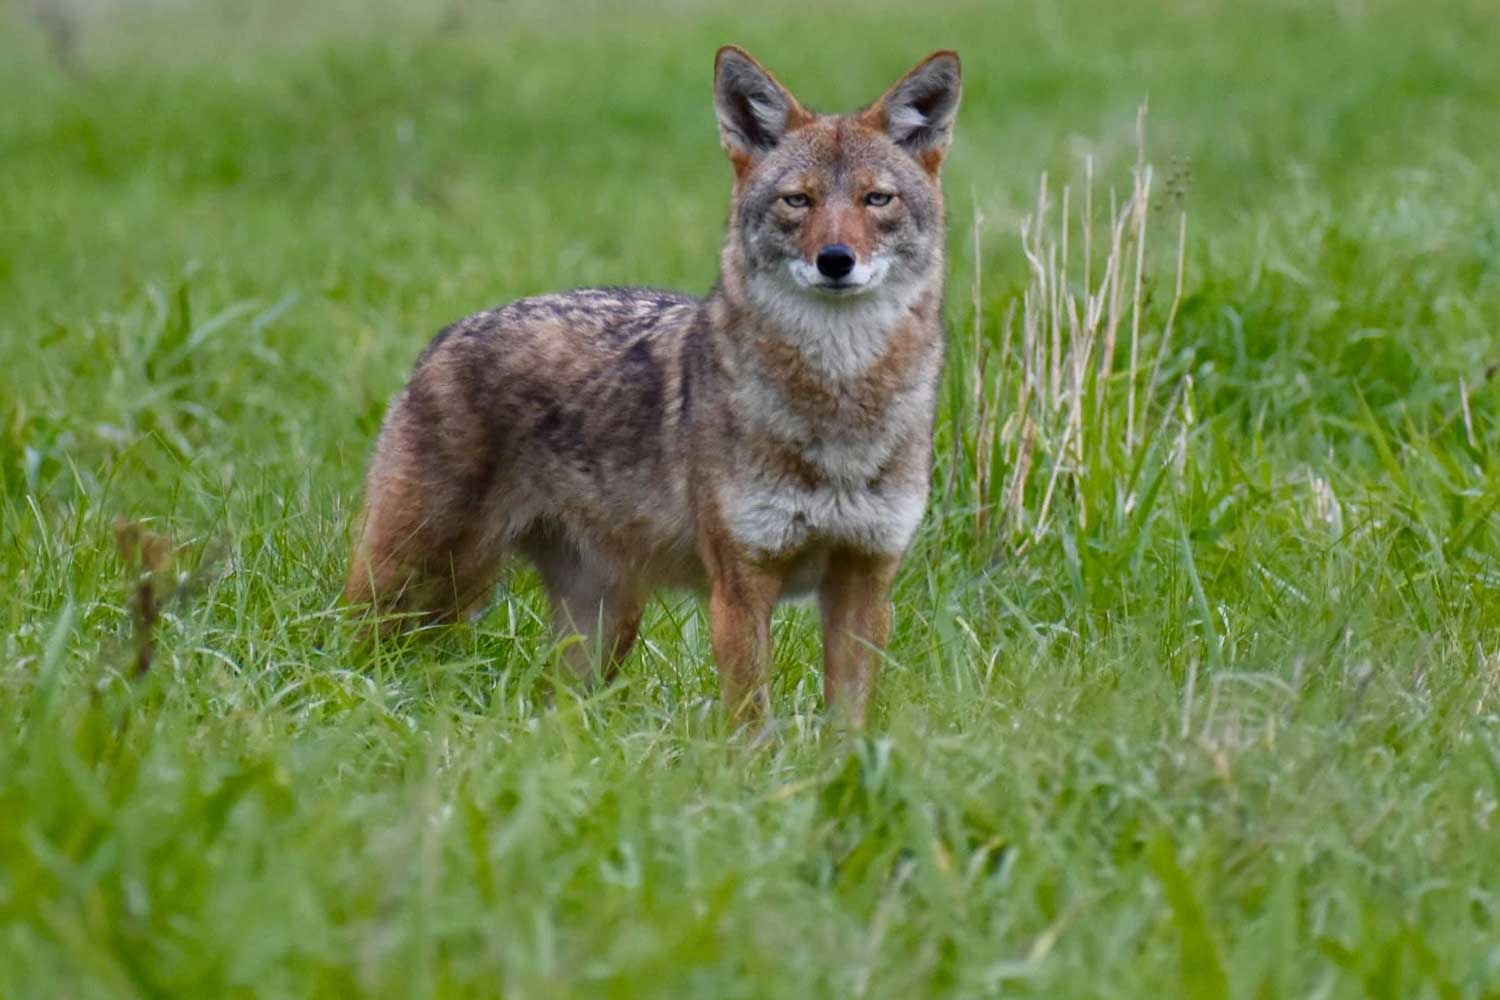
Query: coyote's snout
<point>772,439</point>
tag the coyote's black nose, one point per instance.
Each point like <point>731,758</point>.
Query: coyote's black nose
<point>835,261</point>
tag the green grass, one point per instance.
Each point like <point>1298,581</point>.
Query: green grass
<point>1226,724</point>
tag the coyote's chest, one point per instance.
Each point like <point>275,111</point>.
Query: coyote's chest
<point>834,464</point>
<point>776,518</point>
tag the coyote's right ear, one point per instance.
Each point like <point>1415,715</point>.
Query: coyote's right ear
<point>754,109</point>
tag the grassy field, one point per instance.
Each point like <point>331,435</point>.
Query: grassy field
<point>1196,695</point>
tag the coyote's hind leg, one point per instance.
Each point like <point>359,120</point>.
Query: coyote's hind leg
<point>591,603</point>
<point>422,550</point>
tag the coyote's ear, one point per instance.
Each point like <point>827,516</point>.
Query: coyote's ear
<point>754,109</point>
<point>918,112</point>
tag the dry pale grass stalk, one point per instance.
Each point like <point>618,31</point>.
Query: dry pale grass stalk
<point>1051,403</point>
<point>1463,398</point>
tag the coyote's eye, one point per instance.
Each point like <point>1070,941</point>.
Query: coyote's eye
<point>877,199</point>
<point>797,200</point>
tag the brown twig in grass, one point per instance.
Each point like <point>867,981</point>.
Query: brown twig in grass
<point>150,556</point>
<point>143,605</point>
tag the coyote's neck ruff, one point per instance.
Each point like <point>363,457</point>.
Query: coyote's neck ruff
<point>774,438</point>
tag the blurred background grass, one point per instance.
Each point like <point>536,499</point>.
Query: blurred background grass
<point>422,142</point>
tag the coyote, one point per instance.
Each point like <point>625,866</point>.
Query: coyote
<point>771,440</point>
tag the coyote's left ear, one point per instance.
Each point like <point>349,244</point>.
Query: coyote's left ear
<point>918,112</point>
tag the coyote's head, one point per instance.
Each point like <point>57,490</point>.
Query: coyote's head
<point>831,208</point>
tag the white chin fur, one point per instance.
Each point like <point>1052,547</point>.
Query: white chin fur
<point>839,333</point>
<point>863,278</point>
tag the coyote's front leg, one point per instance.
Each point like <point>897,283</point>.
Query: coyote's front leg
<point>855,601</point>
<point>740,609</point>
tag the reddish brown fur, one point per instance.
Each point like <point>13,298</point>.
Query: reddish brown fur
<point>760,442</point>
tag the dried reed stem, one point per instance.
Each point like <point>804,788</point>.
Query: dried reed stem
<point>1042,408</point>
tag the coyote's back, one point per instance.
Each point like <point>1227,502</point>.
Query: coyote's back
<point>770,439</point>
<point>529,426</point>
